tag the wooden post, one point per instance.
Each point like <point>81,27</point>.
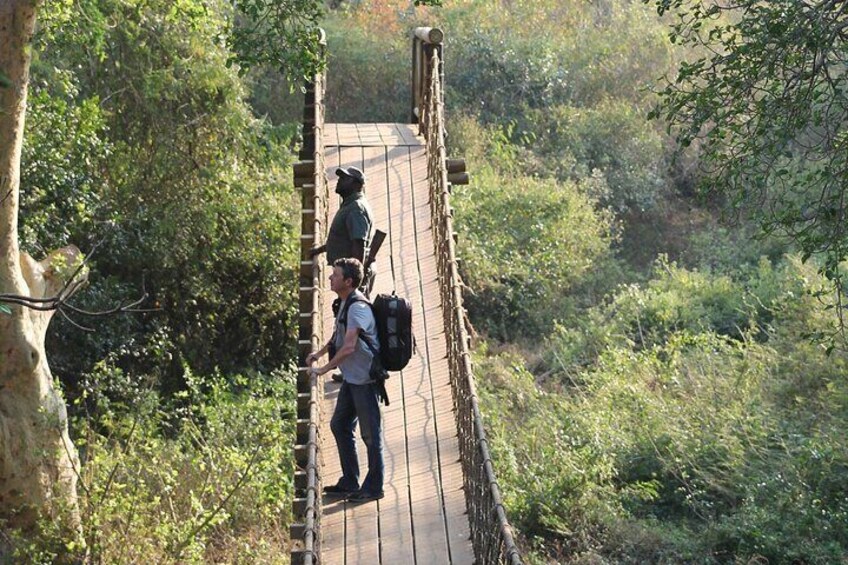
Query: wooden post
<point>424,40</point>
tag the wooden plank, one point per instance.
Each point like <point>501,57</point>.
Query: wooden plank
<point>348,136</point>
<point>330,136</point>
<point>389,135</point>
<point>376,135</point>
<point>369,136</point>
<point>395,522</point>
<point>333,531</point>
<point>395,180</point>
<point>456,522</point>
<point>407,134</point>
<point>431,545</point>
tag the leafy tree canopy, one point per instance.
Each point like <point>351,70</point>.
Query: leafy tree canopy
<point>282,34</point>
<point>764,97</point>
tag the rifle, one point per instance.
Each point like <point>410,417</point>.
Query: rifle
<point>376,243</point>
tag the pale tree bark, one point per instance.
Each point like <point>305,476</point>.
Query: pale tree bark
<point>38,463</point>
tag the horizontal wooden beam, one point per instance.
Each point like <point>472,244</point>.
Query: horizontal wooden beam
<point>431,35</point>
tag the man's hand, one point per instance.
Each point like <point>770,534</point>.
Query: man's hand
<point>315,371</point>
<point>312,358</point>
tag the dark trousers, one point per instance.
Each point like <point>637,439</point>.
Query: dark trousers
<point>359,403</point>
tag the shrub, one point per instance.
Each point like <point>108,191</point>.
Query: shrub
<point>171,184</point>
<point>524,242</point>
<point>216,487</point>
<point>687,445</point>
<point>612,137</point>
<point>675,299</point>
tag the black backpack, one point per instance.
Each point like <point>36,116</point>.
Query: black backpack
<point>393,315</point>
<point>394,327</point>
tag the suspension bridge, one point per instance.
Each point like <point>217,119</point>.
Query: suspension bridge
<point>442,503</point>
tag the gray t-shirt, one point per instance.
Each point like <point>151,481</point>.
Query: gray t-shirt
<point>356,368</point>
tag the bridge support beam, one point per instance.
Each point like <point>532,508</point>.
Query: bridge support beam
<point>425,40</point>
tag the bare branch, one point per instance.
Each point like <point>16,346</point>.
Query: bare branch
<point>75,324</point>
<point>60,300</point>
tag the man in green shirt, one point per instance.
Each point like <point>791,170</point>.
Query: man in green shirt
<point>352,227</point>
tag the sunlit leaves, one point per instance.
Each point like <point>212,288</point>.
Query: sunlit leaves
<point>664,416</point>
<point>283,34</point>
<point>765,99</point>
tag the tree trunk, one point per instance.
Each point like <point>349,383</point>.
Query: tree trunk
<point>38,463</point>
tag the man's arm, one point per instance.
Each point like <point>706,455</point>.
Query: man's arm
<point>317,250</point>
<point>347,348</point>
<point>358,224</point>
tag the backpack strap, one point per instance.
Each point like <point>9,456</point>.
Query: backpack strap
<point>352,299</point>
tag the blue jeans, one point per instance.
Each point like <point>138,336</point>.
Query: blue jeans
<point>359,402</point>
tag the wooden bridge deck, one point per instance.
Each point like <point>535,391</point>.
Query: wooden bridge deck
<point>422,519</point>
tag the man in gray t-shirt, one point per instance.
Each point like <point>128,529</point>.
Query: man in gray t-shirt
<point>356,368</point>
<point>358,398</point>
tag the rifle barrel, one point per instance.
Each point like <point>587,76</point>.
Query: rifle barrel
<point>376,243</point>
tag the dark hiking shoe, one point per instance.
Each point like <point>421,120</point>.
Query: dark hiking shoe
<point>337,378</point>
<point>339,491</point>
<point>364,496</point>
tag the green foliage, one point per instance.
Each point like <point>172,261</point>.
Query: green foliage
<point>543,54</point>
<point>611,138</point>
<point>62,163</point>
<point>221,484</point>
<point>192,201</point>
<point>281,34</point>
<point>669,442</point>
<point>141,149</point>
<point>366,83</point>
<point>675,299</point>
<point>524,241</point>
<point>566,84</point>
<point>682,415</point>
<point>763,94</point>
<point>215,488</point>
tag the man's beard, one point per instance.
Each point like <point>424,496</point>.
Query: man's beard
<point>344,192</point>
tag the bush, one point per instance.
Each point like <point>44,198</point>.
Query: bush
<point>524,242</point>
<point>216,487</point>
<point>142,150</point>
<point>687,445</point>
<point>172,185</point>
<point>573,53</point>
<point>611,137</point>
<point>62,164</point>
<point>675,299</point>
<point>366,83</point>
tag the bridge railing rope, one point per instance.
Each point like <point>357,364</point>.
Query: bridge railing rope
<point>310,178</point>
<point>491,533</point>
